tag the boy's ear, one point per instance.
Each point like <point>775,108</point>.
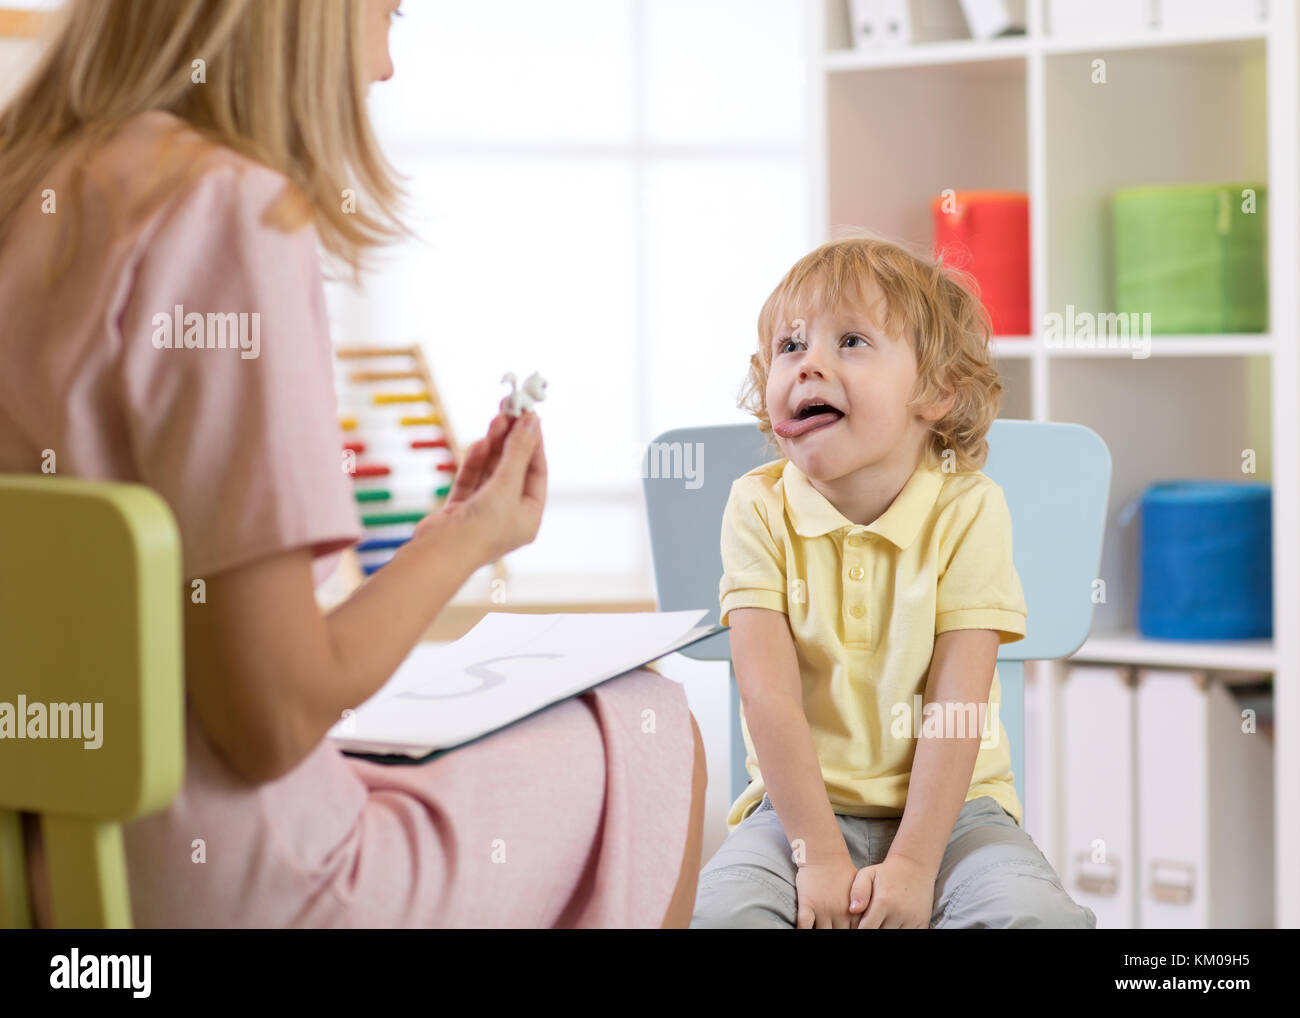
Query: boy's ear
<point>940,407</point>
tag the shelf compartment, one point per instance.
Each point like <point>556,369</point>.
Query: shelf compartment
<point>1016,376</point>
<point>1164,115</point>
<point>889,152</point>
<point>1161,418</point>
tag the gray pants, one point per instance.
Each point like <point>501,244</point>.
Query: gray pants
<point>992,874</point>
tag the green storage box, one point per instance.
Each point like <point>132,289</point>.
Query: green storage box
<point>1190,256</point>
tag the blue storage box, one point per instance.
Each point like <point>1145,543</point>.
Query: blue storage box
<point>1206,561</point>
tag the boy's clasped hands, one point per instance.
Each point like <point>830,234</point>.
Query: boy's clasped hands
<point>896,894</point>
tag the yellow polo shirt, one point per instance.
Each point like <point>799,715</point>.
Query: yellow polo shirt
<point>864,603</point>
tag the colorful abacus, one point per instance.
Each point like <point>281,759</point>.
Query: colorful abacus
<point>404,455</point>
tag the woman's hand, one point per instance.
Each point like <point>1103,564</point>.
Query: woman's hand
<point>500,489</point>
<point>480,461</point>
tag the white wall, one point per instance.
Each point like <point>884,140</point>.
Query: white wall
<point>606,192</point>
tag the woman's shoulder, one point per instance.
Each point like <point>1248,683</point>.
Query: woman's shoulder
<point>155,162</point>
<point>159,145</point>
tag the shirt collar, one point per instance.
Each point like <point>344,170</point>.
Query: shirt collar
<point>813,515</point>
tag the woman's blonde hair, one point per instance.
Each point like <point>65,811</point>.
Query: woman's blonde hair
<point>281,81</point>
<point>934,305</point>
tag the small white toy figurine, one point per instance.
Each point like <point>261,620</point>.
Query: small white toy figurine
<point>519,400</point>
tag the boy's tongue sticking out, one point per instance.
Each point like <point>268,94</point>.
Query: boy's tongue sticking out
<point>811,416</point>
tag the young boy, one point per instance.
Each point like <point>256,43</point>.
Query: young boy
<point>868,569</point>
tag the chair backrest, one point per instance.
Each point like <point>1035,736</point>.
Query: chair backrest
<point>90,630</point>
<point>1056,478</point>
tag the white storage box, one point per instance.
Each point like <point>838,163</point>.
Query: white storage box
<point>1039,799</point>
<point>1205,807</point>
<point>880,24</point>
<point>988,19</point>
<point>1100,19</point>
<point>1098,717</point>
<point>1210,15</point>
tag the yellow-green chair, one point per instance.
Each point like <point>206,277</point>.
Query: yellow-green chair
<point>90,613</point>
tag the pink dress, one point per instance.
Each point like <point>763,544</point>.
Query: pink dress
<point>572,817</point>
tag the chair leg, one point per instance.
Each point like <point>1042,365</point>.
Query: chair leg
<point>15,914</point>
<point>1011,677</point>
<point>86,862</point>
<point>739,776</point>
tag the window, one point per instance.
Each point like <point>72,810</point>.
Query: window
<point>605,191</point>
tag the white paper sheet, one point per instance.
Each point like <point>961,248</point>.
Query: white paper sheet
<point>505,668</point>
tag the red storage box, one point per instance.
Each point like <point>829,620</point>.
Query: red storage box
<point>986,233</point>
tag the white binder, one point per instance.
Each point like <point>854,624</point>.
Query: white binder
<point>1040,797</point>
<point>989,19</point>
<point>880,24</point>
<point>1098,758</point>
<point>1210,15</point>
<point>1098,19</point>
<point>1205,802</point>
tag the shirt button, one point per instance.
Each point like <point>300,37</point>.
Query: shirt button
<point>856,573</point>
<point>857,611</point>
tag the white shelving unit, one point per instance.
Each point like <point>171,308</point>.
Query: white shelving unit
<point>890,129</point>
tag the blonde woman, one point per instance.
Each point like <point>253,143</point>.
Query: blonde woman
<point>194,154</point>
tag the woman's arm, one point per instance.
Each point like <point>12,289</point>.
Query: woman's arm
<point>269,675</point>
<point>767,673</point>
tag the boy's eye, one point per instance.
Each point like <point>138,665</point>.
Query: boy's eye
<point>852,339</point>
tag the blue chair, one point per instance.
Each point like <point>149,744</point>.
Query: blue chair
<point>1056,478</point>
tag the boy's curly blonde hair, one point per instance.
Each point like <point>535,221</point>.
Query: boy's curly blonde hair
<point>935,305</point>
